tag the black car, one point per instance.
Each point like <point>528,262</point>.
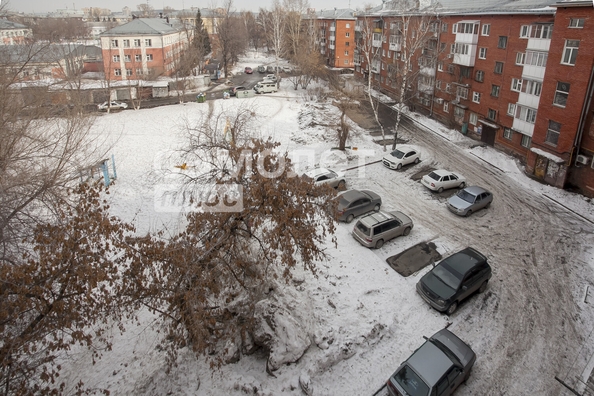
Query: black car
<point>454,279</point>
<point>233,91</point>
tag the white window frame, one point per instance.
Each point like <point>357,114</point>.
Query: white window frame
<point>148,42</point>
<point>553,132</point>
<point>486,29</point>
<point>525,31</point>
<point>516,85</point>
<point>149,57</point>
<point>473,118</point>
<point>570,52</point>
<point>561,93</point>
<point>117,72</point>
<point>508,133</point>
<point>483,53</point>
<point>511,109</point>
<point>446,107</point>
<point>476,97</point>
<point>525,142</point>
<point>576,23</point>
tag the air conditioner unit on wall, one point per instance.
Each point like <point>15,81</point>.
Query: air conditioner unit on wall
<point>582,159</point>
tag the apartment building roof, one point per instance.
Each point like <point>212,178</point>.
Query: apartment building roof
<point>336,13</point>
<point>6,24</point>
<point>143,26</point>
<point>40,53</point>
<point>467,7</point>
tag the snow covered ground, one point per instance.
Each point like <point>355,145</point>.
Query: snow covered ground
<point>533,323</point>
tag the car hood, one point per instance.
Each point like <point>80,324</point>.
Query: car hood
<point>435,284</point>
<point>458,202</point>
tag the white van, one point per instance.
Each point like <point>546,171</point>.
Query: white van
<point>265,87</point>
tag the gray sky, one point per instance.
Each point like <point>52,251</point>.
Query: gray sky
<point>117,5</point>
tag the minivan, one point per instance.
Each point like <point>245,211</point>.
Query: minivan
<point>265,87</point>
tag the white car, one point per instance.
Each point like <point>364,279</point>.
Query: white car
<point>441,179</point>
<point>403,155</point>
<point>327,176</point>
<point>270,78</point>
<point>113,104</point>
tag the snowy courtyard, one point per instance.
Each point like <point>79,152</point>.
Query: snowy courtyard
<point>532,324</point>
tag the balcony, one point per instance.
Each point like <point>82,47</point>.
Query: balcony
<point>357,61</point>
<point>332,28</point>
<point>523,127</point>
<point>331,46</point>
<point>467,57</point>
<point>528,100</point>
<point>538,44</point>
<point>375,67</point>
<point>358,28</point>
<point>395,43</point>
<point>532,72</point>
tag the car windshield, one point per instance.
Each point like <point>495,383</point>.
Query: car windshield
<point>433,175</point>
<point>363,228</point>
<point>397,154</point>
<point>466,196</point>
<point>412,384</point>
<point>444,273</point>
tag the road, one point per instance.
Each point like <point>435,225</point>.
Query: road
<point>539,326</point>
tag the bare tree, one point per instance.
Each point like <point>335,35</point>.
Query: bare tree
<point>345,98</point>
<point>295,10</point>
<point>212,274</point>
<point>232,36</point>
<point>254,29</point>
<point>146,10</point>
<point>277,31</point>
<point>60,29</point>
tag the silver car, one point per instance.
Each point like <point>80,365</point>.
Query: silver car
<point>469,200</point>
<point>376,228</point>
<point>438,367</point>
<point>353,203</point>
<point>327,176</point>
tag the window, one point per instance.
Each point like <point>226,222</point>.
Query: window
<point>139,72</point>
<point>511,109</point>
<point>520,58</point>
<point>458,112</point>
<point>465,72</point>
<point>577,23</point>
<point>116,58</point>
<point>446,106</point>
<point>462,92</point>
<point>346,61</point>
<point>128,72</point>
<point>117,72</point>
<point>476,97</point>
<point>440,66</point>
<point>492,114</point>
<point>149,57</point>
<point>502,43</point>
<point>138,58</point>
<point>498,67</point>
<point>444,27</point>
<point>526,114</point>
<point>483,53</point>
<point>127,58</point>
<point>448,87</point>
<point>451,68</point>
<point>553,133</point>
<point>486,30</point>
<point>570,52</point>
<point>348,26</point>
<point>516,84</point>
<point>495,90</point>
<point>532,87</point>
<point>137,42</point>
<point>348,44</point>
<point>561,94</point>
<point>524,31</point>
<point>148,42</point>
<point>507,133</point>
<point>347,34</point>
<point>126,43</point>
<point>480,76</point>
<point>525,141</point>
<point>346,53</point>
<point>541,31</point>
<point>473,118</point>
<point>114,43</point>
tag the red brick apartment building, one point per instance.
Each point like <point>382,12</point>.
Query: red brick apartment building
<point>336,29</point>
<point>144,48</point>
<point>519,76</point>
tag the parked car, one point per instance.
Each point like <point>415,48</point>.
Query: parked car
<point>265,87</point>
<point>327,176</point>
<point>270,69</point>
<point>469,200</point>
<point>248,70</point>
<point>233,91</point>
<point>287,69</point>
<point>437,367</point>
<point>270,78</point>
<point>262,69</point>
<point>441,179</point>
<point>454,279</point>
<point>403,155</point>
<point>377,228</point>
<point>113,105</point>
<point>353,203</point>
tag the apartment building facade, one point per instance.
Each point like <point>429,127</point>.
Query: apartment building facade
<point>516,77</point>
<point>144,48</point>
<point>336,32</point>
<point>13,33</point>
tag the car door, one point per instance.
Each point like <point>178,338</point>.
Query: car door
<point>393,229</point>
<point>445,182</point>
<point>364,206</point>
<point>470,283</point>
<point>408,158</point>
<point>483,201</point>
<point>322,179</point>
<point>354,207</point>
<point>455,377</point>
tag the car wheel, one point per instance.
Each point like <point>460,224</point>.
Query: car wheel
<point>341,185</point>
<point>483,287</point>
<point>452,308</point>
<point>406,231</point>
<point>462,185</point>
<point>377,208</point>
<point>350,218</point>
<point>417,160</point>
<point>440,190</point>
<point>379,244</point>
<point>399,167</point>
<point>469,213</point>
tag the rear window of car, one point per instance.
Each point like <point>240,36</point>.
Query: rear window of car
<point>363,228</point>
<point>343,203</point>
<point>412,384</point>
<point>434,176</point>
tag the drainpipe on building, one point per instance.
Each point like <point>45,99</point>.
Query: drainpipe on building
<point>578,138</point>
<point>435,69</point>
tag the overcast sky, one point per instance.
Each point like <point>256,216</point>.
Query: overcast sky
<point>117,5</point>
